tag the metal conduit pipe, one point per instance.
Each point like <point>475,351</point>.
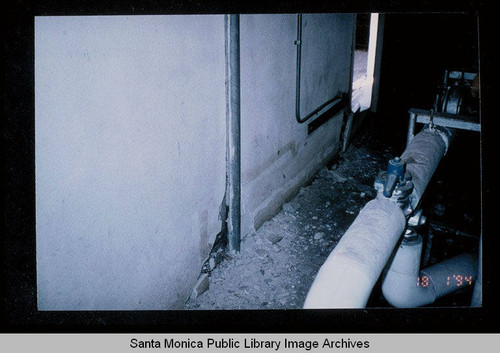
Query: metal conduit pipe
<point>405,286</point>
<point>347,277</point>
<point>323,107</point>
<point>232,52</point>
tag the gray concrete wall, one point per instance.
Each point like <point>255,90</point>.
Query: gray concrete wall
<point>130,158</point>
<point>278,156</point>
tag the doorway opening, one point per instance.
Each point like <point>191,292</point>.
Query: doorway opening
<point>364,61</point>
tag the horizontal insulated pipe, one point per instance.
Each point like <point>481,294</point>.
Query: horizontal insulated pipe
<point>348,275</point>
<point>477,295</point>
<point>422,156</point>
<point>405,286</point>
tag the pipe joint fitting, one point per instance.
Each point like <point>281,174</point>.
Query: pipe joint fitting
<point>417,219</point>
<point>396,185</point>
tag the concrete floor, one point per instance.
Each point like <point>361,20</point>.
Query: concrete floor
<point>277,264</point>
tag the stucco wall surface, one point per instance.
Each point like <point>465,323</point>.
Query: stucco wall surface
<point>130,158</point>
<point>278,156</point>
<point>131,145</point>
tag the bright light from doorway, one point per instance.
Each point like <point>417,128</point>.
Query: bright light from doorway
<point>364,66</point>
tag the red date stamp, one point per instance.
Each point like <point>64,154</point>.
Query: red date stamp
<point>453,280</point>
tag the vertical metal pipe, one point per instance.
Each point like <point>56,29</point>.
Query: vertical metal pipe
<point>298,43</point>
<point>411,128</point>
<point>347,131</point>
<point>351,75</point>
<point>428,246</point>
<point>232,48</point>
<point>338,97</point>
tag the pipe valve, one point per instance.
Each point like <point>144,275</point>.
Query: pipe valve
<point>395,184</point>
<point>395,175</point>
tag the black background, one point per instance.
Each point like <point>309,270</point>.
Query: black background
<point>413,59</point>
<point>417,48</point>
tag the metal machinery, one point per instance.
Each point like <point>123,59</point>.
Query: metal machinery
<point>455,107</point>
<point>385,232</point>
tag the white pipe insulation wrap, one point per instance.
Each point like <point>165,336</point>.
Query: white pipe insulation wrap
<point>401,286</point>
<point>477,295</point>
<point>422,156</point>
<point>450,275</point>
<point>405,286</point>
<point>347,277</point>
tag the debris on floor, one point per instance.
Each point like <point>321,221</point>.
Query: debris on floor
<point>201,286</point>
<point>278,263</point>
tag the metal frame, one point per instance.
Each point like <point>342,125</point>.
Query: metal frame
<point>454,121</point>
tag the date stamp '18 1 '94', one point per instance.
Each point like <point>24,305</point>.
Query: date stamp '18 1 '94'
<point>453,280</point>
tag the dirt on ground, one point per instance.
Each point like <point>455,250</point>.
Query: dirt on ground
<point>278,263</point>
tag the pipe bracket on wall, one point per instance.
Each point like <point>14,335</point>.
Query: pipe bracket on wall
<point>328,114</point>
